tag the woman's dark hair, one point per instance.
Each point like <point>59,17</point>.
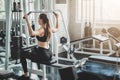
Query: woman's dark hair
<point>45,21</point>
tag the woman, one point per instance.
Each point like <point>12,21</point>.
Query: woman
<point>42,52</point>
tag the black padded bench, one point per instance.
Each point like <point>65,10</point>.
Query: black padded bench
<point>28,48</point>
<point>4,74</point>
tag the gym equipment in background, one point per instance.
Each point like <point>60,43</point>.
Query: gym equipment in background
<point>33,25</point>
<point>16,45</point>
<point>93,50</point>
<point>16,14</point>
<point>63,40</point>
<point>16,38</point>
<point>2,35</point>
<point>2,31</point>
<point>113,33</point>
<point>87,33</point>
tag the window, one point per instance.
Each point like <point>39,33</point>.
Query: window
<point>111,10</point>
<point>105,10</point>
<point>84,10</point>
<point>63,9</point>
<point>78,10</point>
<point>2,9</point>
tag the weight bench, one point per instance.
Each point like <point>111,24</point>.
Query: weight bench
<point>105,59</point>
<point>4,74</point>
<point>102,39</point>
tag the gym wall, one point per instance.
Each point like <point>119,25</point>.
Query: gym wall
<point>74,27</point>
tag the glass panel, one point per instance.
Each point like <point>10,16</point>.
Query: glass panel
<point>106,10</point>
<point>2,9</point>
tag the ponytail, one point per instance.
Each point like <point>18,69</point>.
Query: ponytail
<point>46,21</point>
<point>48,28</point>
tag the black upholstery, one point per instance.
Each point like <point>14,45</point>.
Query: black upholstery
<point>4,74</point>
<point>47,62</point>
<point>44,62</point>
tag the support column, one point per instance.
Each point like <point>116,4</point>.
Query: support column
<point>110,48</point>
<point>101,48</point>
<point>20,15</point>
<point>26,28</point>
<point>8,27</point>
<point>44,73</point>
<point>37,8</point>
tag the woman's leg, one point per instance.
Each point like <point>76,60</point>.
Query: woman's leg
<point>27,55</point>
<point>37,55</point>
<point>23,57</point>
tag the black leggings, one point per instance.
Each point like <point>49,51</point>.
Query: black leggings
<point>38,55</point>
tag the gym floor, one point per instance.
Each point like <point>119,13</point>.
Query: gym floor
<point>92,68</point>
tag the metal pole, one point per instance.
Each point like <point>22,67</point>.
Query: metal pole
<point>101,11</point>
<point>94,15</point>
<point>36,6</point>
<point>26,28</point>
<point>40,4</point>
<point>49,2</point>
<point>66,29</point>
<point>20,15</point>
<point>8,27</point>
<point>44,73</point>
<point>81,18</point>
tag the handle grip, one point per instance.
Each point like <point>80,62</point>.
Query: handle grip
<point>54,13</point>
<point>27,14</point>
<point>36,12</point>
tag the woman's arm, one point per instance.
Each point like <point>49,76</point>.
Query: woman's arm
<point>56,28</point>
<point>31,32</point>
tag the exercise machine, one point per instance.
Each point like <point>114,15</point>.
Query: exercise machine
<point>96,51</point>
<point>111,60</point>
<point>63,42</point>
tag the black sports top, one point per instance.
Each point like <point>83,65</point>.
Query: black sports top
<point>43,38</point>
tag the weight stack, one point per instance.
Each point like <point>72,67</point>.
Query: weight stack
<point>16,47</point>
<point>68,73</point>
